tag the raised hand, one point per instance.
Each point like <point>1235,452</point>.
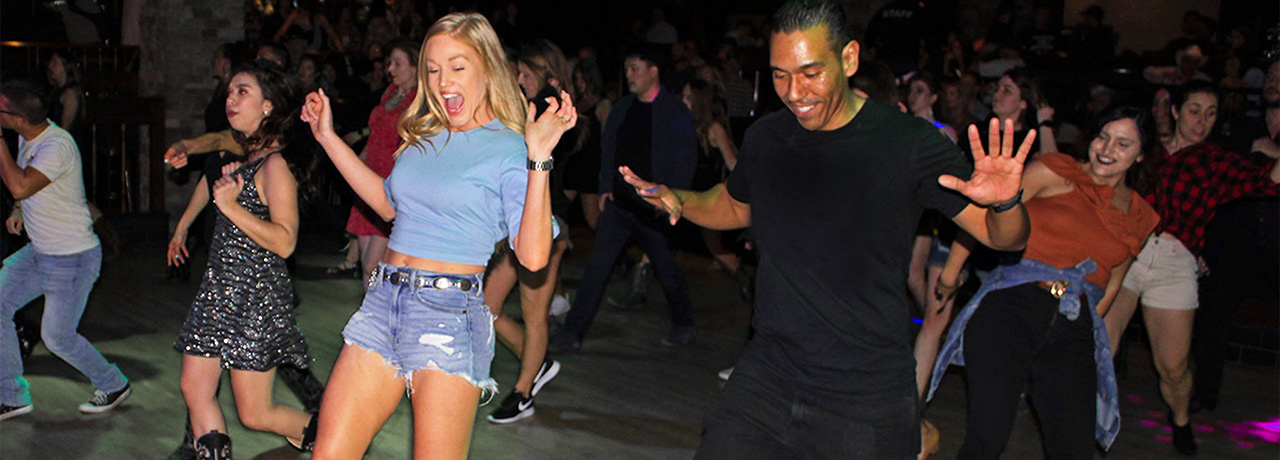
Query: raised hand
<point>228,187</point>
<point>317,112</point>
<point>997,176</point>
<point>542,134</point>
<point>657,195</point>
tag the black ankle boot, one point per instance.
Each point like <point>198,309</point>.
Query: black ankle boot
<point>308,443</point>
<point>213,446</point>
<point>1184,438</point>
<point>304,385</point>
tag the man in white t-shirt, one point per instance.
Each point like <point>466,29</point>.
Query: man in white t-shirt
<point>61,263</point>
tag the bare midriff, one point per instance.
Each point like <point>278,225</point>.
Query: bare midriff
<point>391,257</point>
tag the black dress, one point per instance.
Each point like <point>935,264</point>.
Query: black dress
<point>243,312</point>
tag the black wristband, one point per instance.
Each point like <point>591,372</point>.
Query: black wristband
<point>1002,207</point>
<point>1046,124</point>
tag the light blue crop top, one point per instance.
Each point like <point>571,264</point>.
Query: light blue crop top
<point>458,195</point>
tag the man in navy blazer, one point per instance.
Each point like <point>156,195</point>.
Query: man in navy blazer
<point>649,129</point>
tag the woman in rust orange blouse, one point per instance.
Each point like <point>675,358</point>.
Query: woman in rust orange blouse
<point>1033,327</point>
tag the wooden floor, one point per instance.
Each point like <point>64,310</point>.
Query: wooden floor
<point>624,397</point>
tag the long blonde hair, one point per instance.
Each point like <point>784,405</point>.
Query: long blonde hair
<point>421,120</point>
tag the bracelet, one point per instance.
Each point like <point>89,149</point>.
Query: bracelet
<point>1046,124</point>
<point>1002,207</point>
<point>544,165</point>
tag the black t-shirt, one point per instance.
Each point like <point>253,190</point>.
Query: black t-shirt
<point>834,215</point>
<point>635,140</point>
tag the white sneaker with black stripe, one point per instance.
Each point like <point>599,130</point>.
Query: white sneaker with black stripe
<point>549,370</point>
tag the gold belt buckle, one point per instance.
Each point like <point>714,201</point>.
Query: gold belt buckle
<point>1058,287</point>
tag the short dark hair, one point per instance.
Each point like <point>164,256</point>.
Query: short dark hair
<point>798,15</point>
<point>649,53</point>
<point>26,100</point>
<point>1180,95</point>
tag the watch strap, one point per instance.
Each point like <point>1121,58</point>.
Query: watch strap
<point>544,165</point>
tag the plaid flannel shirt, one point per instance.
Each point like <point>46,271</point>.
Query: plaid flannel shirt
<point>1195,181</point>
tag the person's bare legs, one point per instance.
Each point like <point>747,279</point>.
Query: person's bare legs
<point>361,394</point>
<point>937,315</point>
<point>1117,318</point>
<point>916,278</point>
<point>199,383</point>
<point>444,407</point>
<point>716,247</point>
<point>1170,333</point>
<point>252,390</point>
<point>591,208</point>
<point>529,343</point>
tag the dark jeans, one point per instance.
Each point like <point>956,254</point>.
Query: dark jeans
<point>615,228</point>
<point>763,414</point>
<point>1241,250</point>
<point>1018,341</point>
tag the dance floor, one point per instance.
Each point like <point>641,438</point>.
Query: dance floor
<point>624,397</point>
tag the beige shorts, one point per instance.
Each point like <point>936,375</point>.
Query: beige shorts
<point>1164,275</point>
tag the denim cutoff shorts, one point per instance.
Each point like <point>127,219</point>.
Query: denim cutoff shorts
<point>417,328</point>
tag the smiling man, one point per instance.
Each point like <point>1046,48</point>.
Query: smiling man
<point>833,188</point>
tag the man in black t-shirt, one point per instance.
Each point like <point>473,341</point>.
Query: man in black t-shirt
<point>833,189</point>
<point>649,130</point>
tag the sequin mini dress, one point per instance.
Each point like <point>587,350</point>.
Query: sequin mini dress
<point>243,312</point>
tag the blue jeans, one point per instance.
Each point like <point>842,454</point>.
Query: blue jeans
<point>65,282</point>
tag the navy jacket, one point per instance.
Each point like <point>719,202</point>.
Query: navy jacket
<point>674,143</point>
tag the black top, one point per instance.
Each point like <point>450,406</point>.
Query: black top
<point>834,215</point>
<point>215,112</point>
<point>635,135</point>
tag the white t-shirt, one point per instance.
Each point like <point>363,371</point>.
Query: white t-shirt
<point>56,217</point>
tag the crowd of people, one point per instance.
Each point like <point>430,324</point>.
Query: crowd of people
<point>892,174</point>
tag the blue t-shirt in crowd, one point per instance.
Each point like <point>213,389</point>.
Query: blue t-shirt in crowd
<point>457,194</point>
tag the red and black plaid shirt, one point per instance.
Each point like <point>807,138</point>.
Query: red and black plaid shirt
<point>1195,181</point>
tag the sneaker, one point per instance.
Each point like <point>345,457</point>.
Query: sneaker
<point>515,407</point>
<point>725,374</point>
<point>680,336</point>
<point>1184,438</point>
<point>103,401</point>
<point>7,412</point>
<point>550,368</point>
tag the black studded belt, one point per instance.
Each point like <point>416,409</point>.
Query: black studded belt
<point>436,282</point>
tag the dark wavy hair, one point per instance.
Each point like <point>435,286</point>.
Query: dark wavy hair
<point>1031,92</point>
<point>282,90</point>
<point>707,109</point>
<point>1141,175</point>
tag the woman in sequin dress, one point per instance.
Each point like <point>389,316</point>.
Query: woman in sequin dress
<point>475,169</point>
<point>242,318</point>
